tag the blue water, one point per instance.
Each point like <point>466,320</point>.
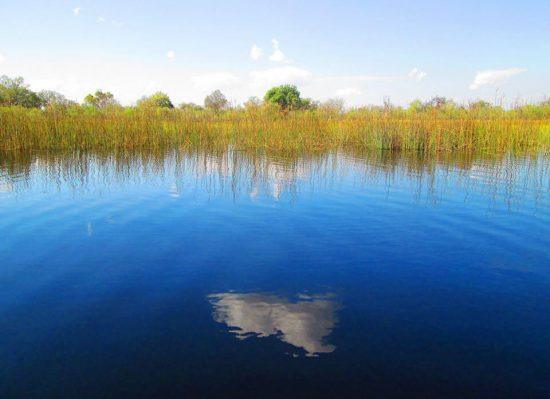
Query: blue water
<point>193,274</point>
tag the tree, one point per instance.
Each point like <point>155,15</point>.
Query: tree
<point>157,100</point>
<point>308,103</point>
<point>216,101</point>
<point>16,92</point>
<point>190,106</point>
<point>100,99</point>
<point>480,105</point>
<point>50,98</point>
<point>253,103</point>
<point>285,96</point>
<point>438,102</point>
<point>417,106</point>
<point>333,106</point>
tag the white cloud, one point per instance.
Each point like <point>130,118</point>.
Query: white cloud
<point>305,324</point>
<point>256,52</point>
<point>101,20</point>
<point>278,55</point>
<point>214,80</point>
<point>280,75</point>
<point>171,54</point>
<point>414,74</point>
<point>417,74</point>
<point>118,24</point>
<point>349,92</point>
<point>2,58</point>
<point>494,77</point>
<point>76,11</point>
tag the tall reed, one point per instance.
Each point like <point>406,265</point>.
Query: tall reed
<point>125,128</point>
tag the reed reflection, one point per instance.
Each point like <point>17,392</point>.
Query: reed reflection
<point>5,186</point>
<point>506,178</point>
<point>305,323</point>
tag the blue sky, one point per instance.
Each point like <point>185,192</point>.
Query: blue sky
<point>362,51</point>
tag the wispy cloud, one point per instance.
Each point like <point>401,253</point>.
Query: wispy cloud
<point>414,74</point>
<point>76,11</point>
<point>171,54</point>
<point>214,80</point>
<point>278,55</point>
<point>417,74</point>
<point>348,92</point>
<point>494,77</point>
<point>280,75</point>
<point>103,20</point>
<point>2,58</point>
<point>256,52</point>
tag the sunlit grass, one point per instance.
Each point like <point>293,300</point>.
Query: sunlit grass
<point>131,128</point>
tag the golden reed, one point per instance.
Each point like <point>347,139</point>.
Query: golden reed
<point>263,128</point>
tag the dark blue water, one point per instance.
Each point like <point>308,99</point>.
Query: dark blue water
<point>176,275</point>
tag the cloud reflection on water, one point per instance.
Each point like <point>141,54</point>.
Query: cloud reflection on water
<point>304,323</point>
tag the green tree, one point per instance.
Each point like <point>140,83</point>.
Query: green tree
<point>286,96</point>
<point>16,92</point>
<point>216,101</point>
<point>157,100</point>
<point>417,106</point>
<point>100,99</point>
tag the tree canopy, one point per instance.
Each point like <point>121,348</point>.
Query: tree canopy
<point>216,101</point>
<point>190,106</point>
<point>286,96</point>
<point>50,98</point>
<point>157,100</point>
<point>100,99</point>
<point>16,92</point>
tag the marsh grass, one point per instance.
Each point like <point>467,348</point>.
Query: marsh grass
<point>301,131</point>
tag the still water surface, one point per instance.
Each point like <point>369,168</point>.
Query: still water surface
<point>194,274</point>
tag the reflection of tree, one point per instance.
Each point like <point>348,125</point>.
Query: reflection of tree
<point>304,324</point>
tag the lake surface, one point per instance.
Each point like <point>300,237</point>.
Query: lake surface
<point>181,274</point>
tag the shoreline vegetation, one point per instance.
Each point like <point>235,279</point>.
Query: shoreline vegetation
<point>283,121</point>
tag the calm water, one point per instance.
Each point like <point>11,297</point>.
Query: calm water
<point>185,274</point>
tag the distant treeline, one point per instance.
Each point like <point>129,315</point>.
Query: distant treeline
<point>282,121</point>
<point>14,92</point>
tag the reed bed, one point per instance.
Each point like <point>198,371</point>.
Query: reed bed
<point>300,131</point>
